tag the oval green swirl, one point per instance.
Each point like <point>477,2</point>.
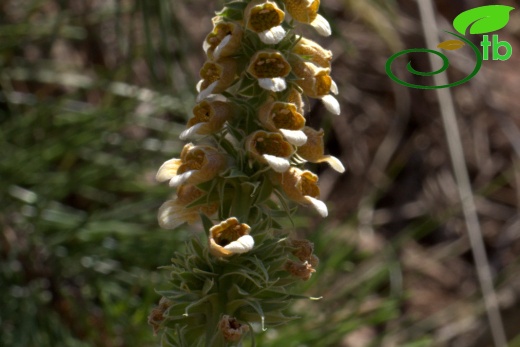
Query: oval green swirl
<point>445,65</point>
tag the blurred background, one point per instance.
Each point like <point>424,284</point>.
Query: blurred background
<point>93,95</point>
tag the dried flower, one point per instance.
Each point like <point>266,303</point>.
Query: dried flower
<point>231,329</point>
<point>302,271</point>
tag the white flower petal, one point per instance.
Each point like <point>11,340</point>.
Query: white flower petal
<point>334,88</point>
<point>180,179</point>
<point>168,170</point>
<point>331,104</point>
<point>191,132</point>
<point>276,163</point>
<point>242,245</point>
<point>205,46</point>
<point>206,92</point>
<point>294,137</point>
<point>199,83</point>
<point>276,84</point>
<point>334,162</point>
<point>273,35</point>
<point>321,25</point>
<point>170,215</point>
<point>318,205</point>
<point>221,46</point>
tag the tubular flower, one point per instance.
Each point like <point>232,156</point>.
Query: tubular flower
<point>270,148</point>
<point>175,212</point>
<point>270,69</point>
<point>224,41</point>
<point>306,11</point>
<point>316,83</point>
<point>313,52</point>
<point>313,150</point>
<point>284,118</point>
<point>301,187</point>
<point>216,77</point>
<point>197,164</point>
<point>208,118</point>
<point>230,237</point>
<point>265,18</point>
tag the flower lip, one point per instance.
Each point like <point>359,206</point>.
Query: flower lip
<point>230,237</point>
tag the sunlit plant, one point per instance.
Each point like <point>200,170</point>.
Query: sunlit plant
<point>241,171</point>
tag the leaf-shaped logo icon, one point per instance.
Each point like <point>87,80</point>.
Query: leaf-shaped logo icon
<point>451,45</point>
<point>483,19</point>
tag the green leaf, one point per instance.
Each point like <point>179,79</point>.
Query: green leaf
<point>483,19</point>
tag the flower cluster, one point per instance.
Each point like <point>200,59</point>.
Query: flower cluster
<point>249,143</point>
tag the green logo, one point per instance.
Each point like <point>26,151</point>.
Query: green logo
<point>479,20</point>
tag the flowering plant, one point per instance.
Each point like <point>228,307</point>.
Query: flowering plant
<point>242,169</point>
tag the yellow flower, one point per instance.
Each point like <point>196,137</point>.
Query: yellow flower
<point>174,212</point>
<point>208,118</point>
<point>230,237</point>
<point>270,148</point>
<point>197,164</point>
<point>306,11</point>
<point>314,148</point>
<point>216,76</point>
<point>224,41</point>
<point>284,118</point>
<point>301,187</point>
<point>264,17</point>
<point>316,83</point>
<point>270,68</point>
<point>313,52</point>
